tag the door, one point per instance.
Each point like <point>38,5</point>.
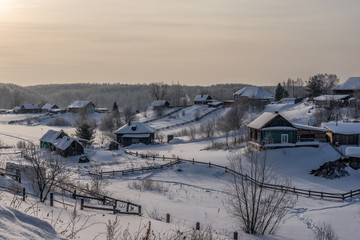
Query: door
<point>284,138</point>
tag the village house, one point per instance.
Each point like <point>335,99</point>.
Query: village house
<point>160,104</point>
<point>135,132</point>
<point>81,107</point>
<point>29,108</point>
<point>272,130</point>
<point>254,93</point>
<point>350,87</point>
<point>202,99</point>
<point>343,133</point>
<point>61,143</point>
<point>48,107</point>
<point>353,155</point>
<point>329,101</point>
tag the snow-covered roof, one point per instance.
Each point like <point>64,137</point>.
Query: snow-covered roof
<point>331,97</point>
<point>79,104</point>
<point>135,128</point>
<point>145,135</point>
<point>50,136</point>
<point>279,128</point>
<point>30,106</point>
<point>262,120</point>
<point>353,83</point>
<point>306,127</point>
<point>17,108</point>
<point>201,98</point>
<point>48,106</point>
<point>158,103</point>
<point>346,128</point>
<point>254,92</point>
<point>352,152</point>
<point>64,142</point>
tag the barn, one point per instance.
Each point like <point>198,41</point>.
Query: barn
<point>81,106</point>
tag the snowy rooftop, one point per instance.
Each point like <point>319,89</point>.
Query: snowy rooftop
<point>50,136</point>
<point>353,152</point>
<point>158,103</point>
<point>262,120</point>
<point>346,128</point>
<point>353,83</point>
<point>331,97</point>
<point>30,106</point>
<point>48,106</point>
<point>64,142</point>
<point>254,92</point>
<point>79,104</point>
<point>135,128</point>
<point>306,127</point>
<point>202,97</point>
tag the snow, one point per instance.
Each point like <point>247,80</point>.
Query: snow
<point>353,83</point>
<point>31,106</point>
<point>158,103</point>
<point>262,120</point>
<point>352,152</point>
<point>50,135</point>
<point>345,128</point>
<point>307,127</point>
<point>331,97</point>
<point>78,104</point>
<point>254,92</point>
<point>16,225</point>
<point>279,128</point>
<point>64,142</point>
<point>48,106</point>
<point>201,98</point>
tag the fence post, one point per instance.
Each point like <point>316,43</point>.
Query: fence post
<point>74,194</point>
<point>163,157</point>
<point>226,169</point>
<point>168,217</point>
<point>343,196</point>
<point>104,200</point>
<point>197,226</point>
<point>18,175</point>
<point>351,194</point>
<point>281,187</point>
<point>153,157</point>
<point>209,164</point>
<point>294,189</point>
<point>127,207</point>
<point>114,209</point>
<point>322,195</point>
<point>101,174</point>
<point>82,204</point>
<point>193,161</point>
<point>51,199</point>
<point>236,235</point>
<point>139,209</point>
<point>136,153</point>
<point>309,193</point>
<point>24,194</point>
<point>113,172</point>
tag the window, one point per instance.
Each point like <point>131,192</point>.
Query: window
<point>284,138</point>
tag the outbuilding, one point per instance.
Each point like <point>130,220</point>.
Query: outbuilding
<point>135,132</point>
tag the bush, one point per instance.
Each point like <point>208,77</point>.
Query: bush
<point>59,121</point>
<point>325,232</point>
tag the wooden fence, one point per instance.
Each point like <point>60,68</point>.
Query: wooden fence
<point>299,191</point>
<point>14,175</point>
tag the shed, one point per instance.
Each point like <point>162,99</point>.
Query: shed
<point>307,133</point>
<point>30,108</point>
<point>254,93</point>
<point>343,133</point>
<point>332,100</point>
<point>135,132</point>
<point>160,104</point>
<point>67,146</point>
<point>353,154</point>
<point>48,107</point>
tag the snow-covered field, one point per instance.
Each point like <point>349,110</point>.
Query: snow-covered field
<point>190,193</point>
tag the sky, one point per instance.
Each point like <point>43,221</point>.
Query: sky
<point>191,42</point>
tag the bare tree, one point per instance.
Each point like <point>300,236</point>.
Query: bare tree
<point>258,209</point>
<point>46,170</point>
<point>129,114</point>
<point>208,129</point>
<point>325,232</point>
<point>159,91</point>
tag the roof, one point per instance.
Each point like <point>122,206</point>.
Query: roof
<point>353,152</point>
<point>254,92</point>
<point>280,128</point>
<point>312,128</point>
<point>30,106</point>
<point>331,97</point>
<point>64,142</point>
<point>50,136</point>
<point>345,128</point>
<point>79,104</point>
<point>353,83</point>
<point>262,120</point>
<point>146,135</point>
<point>202,98</point>
<point>48,106</point>
<point>135,128</point>
<point>159,103</point>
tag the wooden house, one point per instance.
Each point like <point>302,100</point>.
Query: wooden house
<point>272,130</point>
<point>81,106</point>
<point>307,133</point>
<point>202,99</point>
<point>135,132</point>
<point>160,104</point>
<point>332,101</point>
<point>253,93</point>
<point>29,108</point>
<point>353,155</point>
<point>350,87</point>
<point>48,107</point>
<point>343,133</point>
<point>61,143</point>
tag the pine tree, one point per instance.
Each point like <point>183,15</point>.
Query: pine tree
<point>280,92</point>
<point>85,130</point>
<point>115,107</point>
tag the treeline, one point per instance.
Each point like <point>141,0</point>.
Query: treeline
<point>136,96</point>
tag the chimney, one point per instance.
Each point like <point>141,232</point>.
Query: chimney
<point>129,123</point>
<point>276,112</point>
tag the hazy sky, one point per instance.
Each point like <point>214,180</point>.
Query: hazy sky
<point>192,42</point>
